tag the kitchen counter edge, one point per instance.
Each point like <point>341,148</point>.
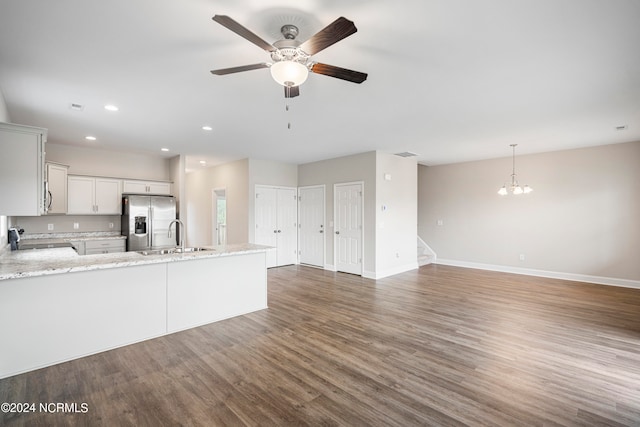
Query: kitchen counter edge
<point>44,262</point>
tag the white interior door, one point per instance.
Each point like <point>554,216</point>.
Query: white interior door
<point>287,220</point>
<point>266,221</point>
<point>311,229</point>
<point>348,227</point>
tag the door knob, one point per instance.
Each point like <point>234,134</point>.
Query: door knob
<point>337,232</point>
<point>322,231</point>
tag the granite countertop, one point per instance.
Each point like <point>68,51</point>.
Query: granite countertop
<point>42,262</point>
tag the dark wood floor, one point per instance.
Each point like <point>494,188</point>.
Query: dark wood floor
<point>436,346</point>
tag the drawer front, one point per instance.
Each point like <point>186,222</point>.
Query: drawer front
<point>99,246</point>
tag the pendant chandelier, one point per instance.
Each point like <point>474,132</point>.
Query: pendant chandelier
<point>514,187</point>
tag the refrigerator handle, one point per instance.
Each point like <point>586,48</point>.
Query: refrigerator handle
<point>150,232</point>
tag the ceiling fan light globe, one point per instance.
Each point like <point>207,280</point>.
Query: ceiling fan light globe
<point>289,73</point>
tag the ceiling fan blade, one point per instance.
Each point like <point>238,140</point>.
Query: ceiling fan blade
<point>291,91</point>
<point>332,33</point>
<point>339,73</point>
<point>243,32</point>
<point>223,71</point>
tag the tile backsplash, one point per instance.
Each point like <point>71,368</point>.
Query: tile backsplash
<point>66,223</point>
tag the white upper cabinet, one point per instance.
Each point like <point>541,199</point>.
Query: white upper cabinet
<point>22,170</point>
<point>94,196</point>
<point>146,187</point>
<point>56,188</point>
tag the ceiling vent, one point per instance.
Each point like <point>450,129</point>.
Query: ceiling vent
<point>76,107</point>
<point>406,154</point>
<point>623,127</point>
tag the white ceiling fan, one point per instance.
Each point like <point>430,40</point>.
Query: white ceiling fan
<point>291,59</point>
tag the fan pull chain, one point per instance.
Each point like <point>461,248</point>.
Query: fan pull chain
<point>286,108</point>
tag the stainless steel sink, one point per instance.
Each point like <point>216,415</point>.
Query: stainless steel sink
<point>169,251</point>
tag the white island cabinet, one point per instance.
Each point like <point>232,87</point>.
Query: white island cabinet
<point>66,307</point>
<point>51,319</point>
<point>196,297</point>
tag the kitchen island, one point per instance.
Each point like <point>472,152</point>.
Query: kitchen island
<point>56,305</point>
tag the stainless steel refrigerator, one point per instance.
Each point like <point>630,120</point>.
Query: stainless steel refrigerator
<point>145,221</point>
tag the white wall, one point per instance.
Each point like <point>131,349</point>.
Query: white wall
<point>177,169</point>
<point>396,214</point>
<point>199,185</point>
<point>118,164</point>
<point>582,219</point>
<point>4,117</point>
<point>4,112</point>
<point>64,223</point>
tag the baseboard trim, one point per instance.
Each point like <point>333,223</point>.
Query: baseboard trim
<point>610,281</point>
<point>330,267</point>
<point>390,272</point>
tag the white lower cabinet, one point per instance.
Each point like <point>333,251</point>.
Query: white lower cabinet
<point>104,246</point>
<point>94,196</point>
<point>276,218</point>
<point>101,246</point>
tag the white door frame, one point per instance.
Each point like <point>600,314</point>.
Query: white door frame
<point>324,221</point>
<point>335,222</point>
<point>214,213</point>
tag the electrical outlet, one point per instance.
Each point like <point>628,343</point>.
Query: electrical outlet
<point>110,225</point>
<point>521,257</point>
<point>76,225</point>
<point>50,227</point>
<point>440,222</point>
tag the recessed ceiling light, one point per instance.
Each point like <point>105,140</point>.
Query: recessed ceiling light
<point>110,107</point>
<point>207,128</point>
<point>202,162</point>
<point>164,149</point>
<point>76,106</point>
<point>90,138</point>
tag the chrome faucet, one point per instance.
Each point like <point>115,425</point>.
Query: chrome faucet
<point>177,221</point>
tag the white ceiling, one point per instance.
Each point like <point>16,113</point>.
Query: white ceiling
<point>451,80</point>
